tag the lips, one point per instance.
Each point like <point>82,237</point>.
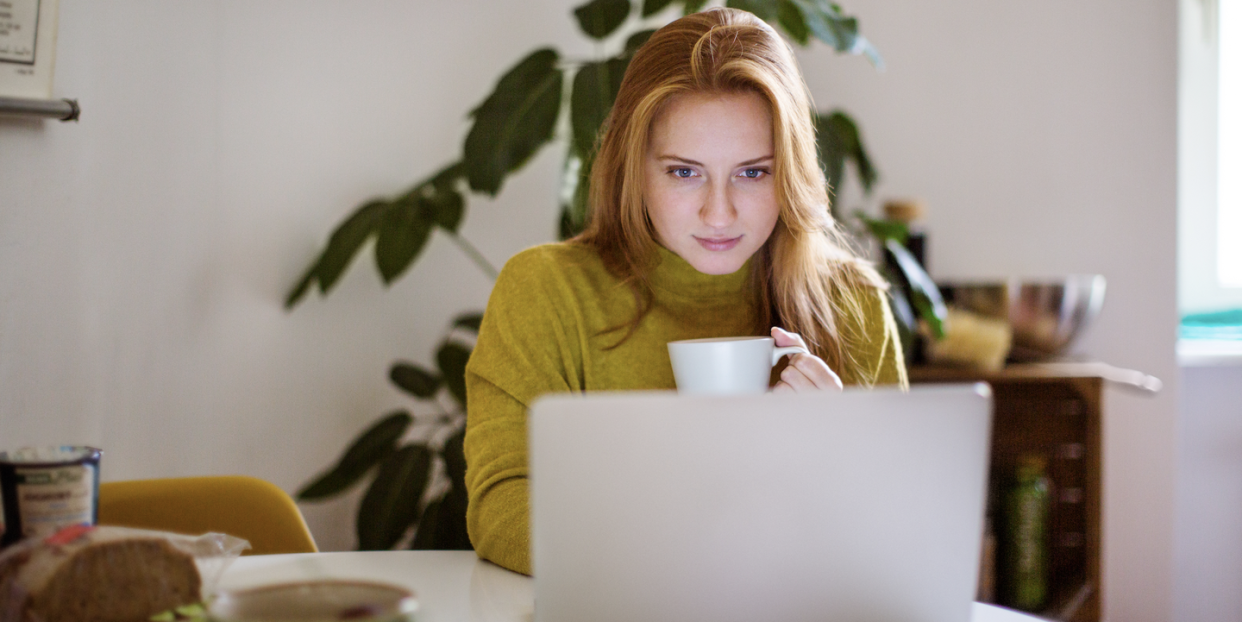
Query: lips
<point>718,244</point>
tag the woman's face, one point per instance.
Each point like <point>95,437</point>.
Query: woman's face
<point>709,189</point>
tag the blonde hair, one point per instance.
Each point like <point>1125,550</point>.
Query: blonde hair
<point>805,276</point>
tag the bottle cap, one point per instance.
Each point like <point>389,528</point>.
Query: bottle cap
<point>904,210</point>
<point>1031,465</point>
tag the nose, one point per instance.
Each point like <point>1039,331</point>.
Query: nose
<point>717,211</point>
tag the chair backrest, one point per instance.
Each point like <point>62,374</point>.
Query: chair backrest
<point>239,506</point>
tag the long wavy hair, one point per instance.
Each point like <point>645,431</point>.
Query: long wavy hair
<point>805,277</point>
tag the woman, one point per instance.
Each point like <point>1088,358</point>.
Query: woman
<point>709,218</point>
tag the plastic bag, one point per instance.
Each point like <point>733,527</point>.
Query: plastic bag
<point>82,573</point>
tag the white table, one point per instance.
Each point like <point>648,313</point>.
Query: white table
<point>450,585</point>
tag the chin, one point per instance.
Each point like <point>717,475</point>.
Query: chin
<point>717,266</point>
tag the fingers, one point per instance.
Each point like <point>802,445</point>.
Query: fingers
<point>807,373</point>
<point>796,379</point>
<point>784,338</point>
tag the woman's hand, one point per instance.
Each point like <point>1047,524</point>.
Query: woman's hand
<point>805,372</point>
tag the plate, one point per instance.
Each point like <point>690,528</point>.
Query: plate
<point>316,601</point>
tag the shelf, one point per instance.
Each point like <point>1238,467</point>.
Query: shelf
<point>1127,378</point>
<point>1209,353</point>
<point>1051,410</point>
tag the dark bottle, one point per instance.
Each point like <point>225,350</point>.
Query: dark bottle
<point>910,213</point>
<point>907,212</point>
<point>1026,537</point>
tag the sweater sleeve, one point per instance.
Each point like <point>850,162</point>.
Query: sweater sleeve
<point>525,349</point>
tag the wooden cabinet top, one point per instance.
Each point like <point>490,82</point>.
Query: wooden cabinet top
<point>1037,371</point>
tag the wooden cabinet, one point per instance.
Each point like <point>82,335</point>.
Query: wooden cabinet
<point>1053,411</point>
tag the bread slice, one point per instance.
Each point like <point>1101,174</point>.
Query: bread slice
<point>105,575</point>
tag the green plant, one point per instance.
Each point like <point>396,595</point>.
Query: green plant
<point>394,501</point>
<point>515,121</point>
<point>913,295</point>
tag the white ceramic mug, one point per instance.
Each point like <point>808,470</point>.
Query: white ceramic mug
<point>725,365</point>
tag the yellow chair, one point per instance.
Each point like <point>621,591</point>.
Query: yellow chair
<point>240,506</point>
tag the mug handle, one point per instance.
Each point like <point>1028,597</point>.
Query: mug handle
<point>777,353</point>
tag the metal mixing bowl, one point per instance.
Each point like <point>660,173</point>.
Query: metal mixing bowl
<point>1046,315</point>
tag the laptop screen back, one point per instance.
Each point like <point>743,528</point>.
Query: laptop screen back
<point>862,505</point>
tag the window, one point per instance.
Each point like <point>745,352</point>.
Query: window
<point>1210,170</point>
<point>1229,145</point>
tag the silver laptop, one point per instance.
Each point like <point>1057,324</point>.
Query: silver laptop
<point>862,506</point>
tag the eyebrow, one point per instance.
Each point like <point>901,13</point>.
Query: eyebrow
<point>694,163</point>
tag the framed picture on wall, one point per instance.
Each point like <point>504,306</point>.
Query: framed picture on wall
<point>27,47</point>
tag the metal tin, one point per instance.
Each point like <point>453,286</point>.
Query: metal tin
<point>43,489</point>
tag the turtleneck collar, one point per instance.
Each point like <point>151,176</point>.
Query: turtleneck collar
<point>674,276</point>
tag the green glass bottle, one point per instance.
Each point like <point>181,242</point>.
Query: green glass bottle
<point>1026,564</point>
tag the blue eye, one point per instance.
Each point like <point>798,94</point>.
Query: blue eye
<point>682,172</point>
<point>754,173</point>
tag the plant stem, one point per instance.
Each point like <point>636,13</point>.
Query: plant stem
<point>475,255</point>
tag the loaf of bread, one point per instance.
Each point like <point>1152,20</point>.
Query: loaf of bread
<point>104,574</point>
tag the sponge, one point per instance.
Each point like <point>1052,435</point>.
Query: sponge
<point>971,340</point>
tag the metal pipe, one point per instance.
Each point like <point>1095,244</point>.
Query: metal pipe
<point>63,109</point>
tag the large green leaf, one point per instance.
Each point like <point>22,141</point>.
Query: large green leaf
<point>514,121</point>
<point>449,208</point>
<point>414,380</point>
<point>452,358</point>
<point>347,240</point>
<point>391,504</point>
<point>903,314</point>
<point>446,178</point>
<point>372,446</point>
<point>926,296</point>
<point>865,47</point>
<point>403,232</point>
<point>308,278</point>
<point>594,91</point>
<point>599,18</point>
<point>821,21</point>
<point>793,21</point>
<point>343,244</point>
<point>443,525</point>
<point>635,41</point>
<point>428,523</point>
<point>884,230</point>
<point>651,7</point>
<point>693,6</point>
<point>839,140</point>
<point>763,9</point>
<point>441,203</point>
<point>438,198</point>
<point>826,21</point>
<point>455,459</point>
<point>451,532</point>
<point>468,321</point>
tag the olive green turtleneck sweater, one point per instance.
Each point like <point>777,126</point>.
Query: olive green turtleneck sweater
<point>542,334</point>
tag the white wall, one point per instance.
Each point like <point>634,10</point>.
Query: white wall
<point>144,252</point>
<point>1208,536</point>
<point>1043,138</point>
